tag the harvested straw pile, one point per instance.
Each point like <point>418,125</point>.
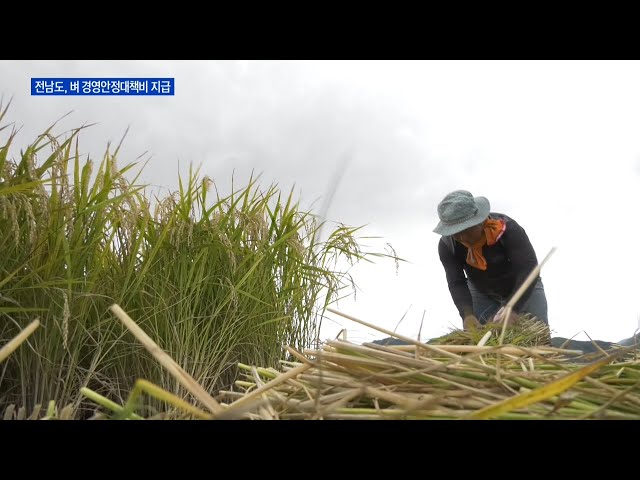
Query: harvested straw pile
<point>344,380</point>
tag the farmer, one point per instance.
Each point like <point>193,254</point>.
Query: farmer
<point>496,255</point>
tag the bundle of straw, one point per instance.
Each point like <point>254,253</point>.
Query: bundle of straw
<point>528,331</point>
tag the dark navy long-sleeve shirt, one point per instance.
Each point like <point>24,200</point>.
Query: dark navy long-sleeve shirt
<point>509,263</point>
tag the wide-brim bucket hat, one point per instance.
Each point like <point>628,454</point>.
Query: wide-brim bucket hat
<point>460,210</point>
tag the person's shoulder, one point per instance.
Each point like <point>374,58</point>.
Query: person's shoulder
<point>446,244</point>
<point>514,231</point>
<point>502,216</point>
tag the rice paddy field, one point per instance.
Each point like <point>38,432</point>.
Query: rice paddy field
<point>119,304</point>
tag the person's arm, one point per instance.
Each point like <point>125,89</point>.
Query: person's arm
<point>456,281</point>
<point>523,259</point>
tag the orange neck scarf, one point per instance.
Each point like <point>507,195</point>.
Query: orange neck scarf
<point>491,233</point>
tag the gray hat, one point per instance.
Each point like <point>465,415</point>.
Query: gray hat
<point>459,210</point>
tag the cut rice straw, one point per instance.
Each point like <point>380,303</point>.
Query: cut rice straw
<point>15,342</point>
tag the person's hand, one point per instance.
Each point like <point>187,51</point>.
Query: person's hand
<point>470,322</point>
<point>513,317</point>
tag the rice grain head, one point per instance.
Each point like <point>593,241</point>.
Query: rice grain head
<point>65,322</point>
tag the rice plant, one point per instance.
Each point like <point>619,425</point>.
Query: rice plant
<point>215,280</point>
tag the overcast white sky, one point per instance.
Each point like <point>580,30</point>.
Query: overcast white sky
<point>553,144</point>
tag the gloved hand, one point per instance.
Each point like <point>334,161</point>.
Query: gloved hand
<point>470,322</point>
<point>513,317</point>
